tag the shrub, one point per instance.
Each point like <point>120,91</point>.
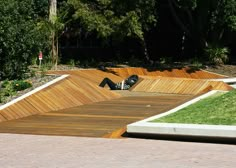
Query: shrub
<point>9,88</point>
<point>217,55</point>
<point>20,37</point>
<point>19,85</point>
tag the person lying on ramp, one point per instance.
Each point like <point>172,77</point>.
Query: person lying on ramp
<point>124,85</point>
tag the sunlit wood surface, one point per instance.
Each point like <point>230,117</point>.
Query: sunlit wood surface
<point>81,87</point>
<point>185,72</point>
<point>77,106</point>
<point>101,119</point>
<point>178,85</point>
<point>70,92</point>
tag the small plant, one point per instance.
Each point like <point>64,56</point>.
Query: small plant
<point>71,62</point>
<point>43,71</point>
<point>196,62</point>
<point>7,89</point>
<point>10,88</point>
<point>19,85</point>
<point>217,55</point>
<point>5,83</point>
<point>2,98</point>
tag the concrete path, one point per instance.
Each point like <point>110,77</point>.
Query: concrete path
<point>33,151</point>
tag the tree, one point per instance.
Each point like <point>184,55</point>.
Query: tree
<point>52,19</point>
<point>205,22</point>
<point>20,37</point>
<point>116,19</point>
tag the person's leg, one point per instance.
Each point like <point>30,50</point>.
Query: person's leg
<point>109,82</point>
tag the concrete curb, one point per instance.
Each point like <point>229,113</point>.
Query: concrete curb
<point>33,91</point>
<point>147,127</point>
<point>226,80</point>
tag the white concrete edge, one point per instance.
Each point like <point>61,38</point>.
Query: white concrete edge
<point>222,131</point>
<point>33,91</point>
<point>234,86</point>
<point>147,127</point>
<point>226,80</point>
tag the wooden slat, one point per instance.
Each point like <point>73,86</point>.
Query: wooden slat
<point>81,87</point>
<point>72,91</point>
<point>178,85</point>
<point>180,73</point>
<point>102,119</point>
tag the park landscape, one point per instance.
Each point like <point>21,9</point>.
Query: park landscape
<point>50,87</point>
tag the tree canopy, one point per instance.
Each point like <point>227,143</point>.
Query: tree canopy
<point>205,26</point>
<point>205,22</point>
<point>20,38</point>
<point>117,18</point>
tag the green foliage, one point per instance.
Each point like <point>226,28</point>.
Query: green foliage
<point>19,85</point>
<point>20,37</point>
<point>115,18</point>
<point>205,21</point>
<point>224,14</point>
<point>9,88</point>
<point>192,4</point>
<point>71,63</point>
<point>217,55</point>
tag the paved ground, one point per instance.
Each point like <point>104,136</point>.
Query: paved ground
<point>31,151</point>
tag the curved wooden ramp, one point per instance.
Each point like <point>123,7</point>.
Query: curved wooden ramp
<point>92,75</point>
<point>81,87</point>
<point>179,73</point>
<point>178,85</point>
<point>70,92</point>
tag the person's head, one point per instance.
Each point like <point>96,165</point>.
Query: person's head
<point>132,80</point>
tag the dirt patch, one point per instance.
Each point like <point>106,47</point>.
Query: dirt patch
<point>228,70</point>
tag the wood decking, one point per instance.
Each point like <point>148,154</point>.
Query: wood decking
<point>178,73</point>
<point>77,106</point>
<point>70,92</point>
<point>178,85</point>
<point>101,119</point>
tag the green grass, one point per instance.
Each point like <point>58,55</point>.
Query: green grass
<point>219,109</point>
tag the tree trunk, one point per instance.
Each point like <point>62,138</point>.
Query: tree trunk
<point>52,19</point>
<point>145,52</point>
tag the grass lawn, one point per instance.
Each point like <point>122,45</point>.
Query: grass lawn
<point>219,109</point>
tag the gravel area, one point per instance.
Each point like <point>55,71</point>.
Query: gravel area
<point>36,81</point>
<point>228,70</point>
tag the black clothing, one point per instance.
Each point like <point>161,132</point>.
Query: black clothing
<point>109,82</point>
<point>124,85</point>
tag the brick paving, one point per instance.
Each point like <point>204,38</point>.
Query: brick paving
<point>34,151</point>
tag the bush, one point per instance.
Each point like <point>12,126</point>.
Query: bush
<point>19,85</point>
<point>217,55</point>
<point>9,88</point>
<point>20,37</point>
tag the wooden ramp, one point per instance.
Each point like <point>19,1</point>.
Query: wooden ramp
<point>178,85</point>
<point>178,73</point>
<point>77,106</point>
<point>93,75</point>
<point>101,119</point>
<point>70,92</point>
<point>81,87</point>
